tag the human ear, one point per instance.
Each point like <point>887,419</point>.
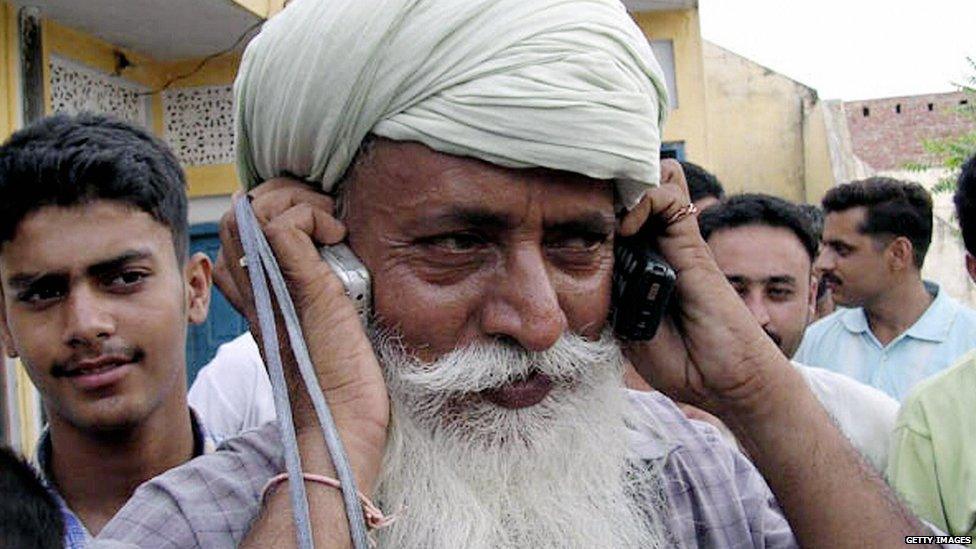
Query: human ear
<point>198,277</point>
<point>901,253</point>
<point>971,266</point>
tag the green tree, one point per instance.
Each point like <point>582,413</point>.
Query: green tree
<point>951,152</point>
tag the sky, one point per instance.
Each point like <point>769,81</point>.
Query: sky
<point>851,49</point>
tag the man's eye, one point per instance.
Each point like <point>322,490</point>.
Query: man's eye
<point>581,242</point>
<point>455,242</point>
<point>126,279</point>
<point>780,293</point>
<point>41,293</point>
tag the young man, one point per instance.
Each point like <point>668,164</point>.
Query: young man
<point>895,330</point>
<point>933,459</point>
<point>98,290</point>
<point>765,246</point>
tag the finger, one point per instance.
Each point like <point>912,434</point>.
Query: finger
<point>230,276</point>
<point>296,234</point>
<point>635,218</point>
<point>673,174</point>
<point>225,282</point>
<point>284,194</point>
<point>319,297</point>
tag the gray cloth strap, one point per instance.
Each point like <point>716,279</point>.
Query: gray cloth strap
<point>261,264</point>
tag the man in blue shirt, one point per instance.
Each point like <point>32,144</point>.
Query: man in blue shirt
<point>98,289</point>
<point>895,329</point>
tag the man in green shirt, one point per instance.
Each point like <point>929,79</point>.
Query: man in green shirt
<point>933,456</point>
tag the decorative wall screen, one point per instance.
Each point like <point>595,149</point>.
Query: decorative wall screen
<point>199,124</point>
<point>76,88</point>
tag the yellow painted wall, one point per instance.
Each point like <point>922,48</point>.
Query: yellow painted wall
<point>689,121</point>
<point>9,71</point>
<point>819,173</point>
<point>756,126</point>
<point>153,75</point>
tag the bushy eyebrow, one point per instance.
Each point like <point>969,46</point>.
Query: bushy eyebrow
<point>590,222</point>
<point>775,279</point>
<point>20,281</point>
<point>487,219</point>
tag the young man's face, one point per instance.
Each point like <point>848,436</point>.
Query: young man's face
<point>96,306</point>
<point>852,263</point>
<point>770,269</point>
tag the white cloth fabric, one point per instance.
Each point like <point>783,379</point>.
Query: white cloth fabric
<point>563,84</point>
<point>864,414</point>
<point>232,393</point>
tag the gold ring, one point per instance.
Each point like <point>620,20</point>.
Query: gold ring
<point>685,211</point>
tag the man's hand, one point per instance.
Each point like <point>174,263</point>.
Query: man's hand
<point>296,220</point>
<point>714,355</point>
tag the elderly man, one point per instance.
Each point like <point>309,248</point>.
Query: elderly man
<point>485,405</point>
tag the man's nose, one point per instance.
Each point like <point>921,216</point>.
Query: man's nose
<point>87,319</point>
<point>524,305</point>
<point>757,306</point>
<point>825,261</point>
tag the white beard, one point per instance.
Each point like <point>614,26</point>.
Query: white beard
<point>461,472</point>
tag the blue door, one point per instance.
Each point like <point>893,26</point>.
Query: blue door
<point>223,323</point>
<point>673,149</point>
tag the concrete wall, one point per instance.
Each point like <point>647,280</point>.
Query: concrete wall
<point>766,132</point>
<point>688,122</point>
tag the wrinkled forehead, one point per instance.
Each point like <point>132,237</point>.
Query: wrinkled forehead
<point>404,179</point>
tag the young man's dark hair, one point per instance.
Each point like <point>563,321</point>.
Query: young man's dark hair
<point>68,160</point>
<point>965,200</point>
<point>760,209</point>
<point>893,208</point>
<point>29,516</point>
<point>701,183</point>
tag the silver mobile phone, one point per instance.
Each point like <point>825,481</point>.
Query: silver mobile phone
<point>353,275</point>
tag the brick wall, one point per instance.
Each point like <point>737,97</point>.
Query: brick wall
<point>887,133</point>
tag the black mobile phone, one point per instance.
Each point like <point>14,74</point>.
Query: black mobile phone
<point>643,283</point>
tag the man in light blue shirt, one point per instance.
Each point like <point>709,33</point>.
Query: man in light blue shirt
<point>896,330</point>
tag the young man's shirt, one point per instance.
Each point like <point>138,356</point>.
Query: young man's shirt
<point>864,414</point>
<point>76,536</point>
<point>843,342</point>
<point>933,451</point>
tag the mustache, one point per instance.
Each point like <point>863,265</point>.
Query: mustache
<point>127,353</point>
<point>491,365</point>
<point>829,277</point>
<point>775,337</point>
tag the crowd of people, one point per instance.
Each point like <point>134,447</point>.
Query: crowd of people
<point>807,387</point>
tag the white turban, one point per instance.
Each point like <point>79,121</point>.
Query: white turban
<point>563,84</point>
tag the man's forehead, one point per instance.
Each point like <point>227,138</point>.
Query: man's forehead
<point>758,251</point>
<point>56,238</point>
<point>409,179</point>
<point>845,221</point>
